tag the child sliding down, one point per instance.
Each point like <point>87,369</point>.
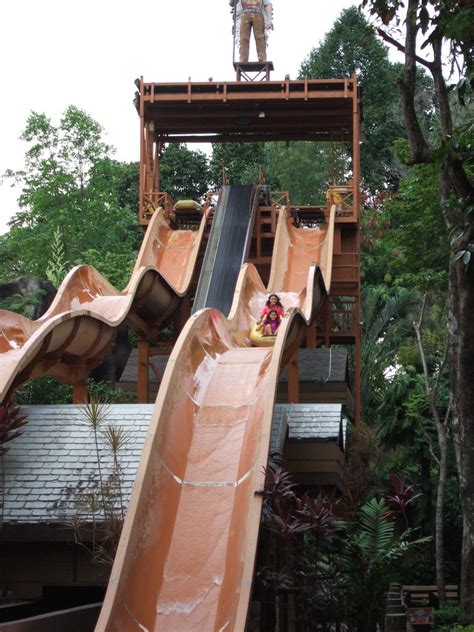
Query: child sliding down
<point>271,323</point>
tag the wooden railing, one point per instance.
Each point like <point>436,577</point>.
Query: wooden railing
<point>152,201</point>
<point>420,601</point>
<point>280,198</point>
<point>343,197</point>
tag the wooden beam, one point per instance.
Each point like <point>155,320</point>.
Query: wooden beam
<point>79,393</point>
<point>293,380</point>
<point>143,383</point>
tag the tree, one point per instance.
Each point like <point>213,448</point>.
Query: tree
<point>352,47</point>
<point>184,173</point>
<point>432,387</point>
<point>427,27</point>
<point>378,347</point>
<point>69,182</point>
<point>304,169</point>
<point>240,160</point>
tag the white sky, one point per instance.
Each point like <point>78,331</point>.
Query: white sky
<point>57,53</point>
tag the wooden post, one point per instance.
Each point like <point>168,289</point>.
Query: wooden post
<point>311,335</point>
<point>355,149</point>
<point>79,393</point>
<point>357,369</point>
<point>142,177</point>
<point>182,313</point>
<point>143,384</point>
<point>293,380</point>
<point>356,212</point>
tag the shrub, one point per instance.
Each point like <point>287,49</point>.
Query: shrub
<point>446,618</point>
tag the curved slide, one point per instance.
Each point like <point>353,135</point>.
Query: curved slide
<point>76,332</point>
<point>186,556</point>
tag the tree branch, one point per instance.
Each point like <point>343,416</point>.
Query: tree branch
<point>440,372</point>
<point>430,394</point>
<point>396,44</point>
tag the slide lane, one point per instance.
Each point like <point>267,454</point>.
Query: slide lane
<point>227,247</point>
<point>78,329</point>
<point>186,557</point>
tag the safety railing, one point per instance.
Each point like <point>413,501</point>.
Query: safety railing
<point>280,198</point>
<point>152,201</point>
<point>343,197</point>
<point>345,267</point>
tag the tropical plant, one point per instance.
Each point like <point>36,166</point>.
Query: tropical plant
<point>57,266</point>
<point>379,312</point>
<point>368,558</point>
<point>12,421</point>
<point>441,32</point>
<point>101,508</point>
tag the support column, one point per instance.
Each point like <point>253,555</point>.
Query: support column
<point>293,380</point>
<point>356,149</point>
<point>79,393</point>
<point>143,383</point>
<point>182,314</point>
<point>357,369</point>
<point>311,335</point>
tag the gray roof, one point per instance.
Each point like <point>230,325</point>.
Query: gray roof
<point>320,365</point>
<point>51,469</point>
<point>315,365</point>
<point>315,422</point>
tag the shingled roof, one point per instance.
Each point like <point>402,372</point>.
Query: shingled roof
<point>320,365</point>
<point>315,365</point>
<point>51,469</point>
<point>316,422</point>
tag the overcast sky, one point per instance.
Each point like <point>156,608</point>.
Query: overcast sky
<point>56,53</point>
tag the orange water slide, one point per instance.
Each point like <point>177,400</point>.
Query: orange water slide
<point>186,557</point>
<point>78,329</point>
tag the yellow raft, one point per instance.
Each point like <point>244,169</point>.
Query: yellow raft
<point>258,339</point>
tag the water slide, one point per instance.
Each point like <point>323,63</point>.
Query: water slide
<point>78,329</point>
<point>227,247</point>
<point>186,557</point>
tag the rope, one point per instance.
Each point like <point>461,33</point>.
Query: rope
<point>330,366</point>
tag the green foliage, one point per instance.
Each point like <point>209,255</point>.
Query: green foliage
<point>69,183</point>
<point>116,267</point>
<point>12,422</point>
<point>378,347</point>
<point>368,559</point>
<point>184,173</point>
<point>43,390</point>
<point>445,617</point>
<point>351,47</point>
<point>24,305</point>
<point>240,160</point>
<point>47,390</point>
<point>304,169</point>
<point>57,266</point>
<point>418,235</point>
<point>101,510</point>
<point>340,569</point>
<point>104,392</point>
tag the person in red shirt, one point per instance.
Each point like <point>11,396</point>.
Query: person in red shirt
<point>273,302</point>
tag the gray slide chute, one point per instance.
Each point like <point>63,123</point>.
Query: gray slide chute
<point>228,247</point>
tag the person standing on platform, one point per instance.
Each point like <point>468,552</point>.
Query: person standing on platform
<point>256,15</point>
